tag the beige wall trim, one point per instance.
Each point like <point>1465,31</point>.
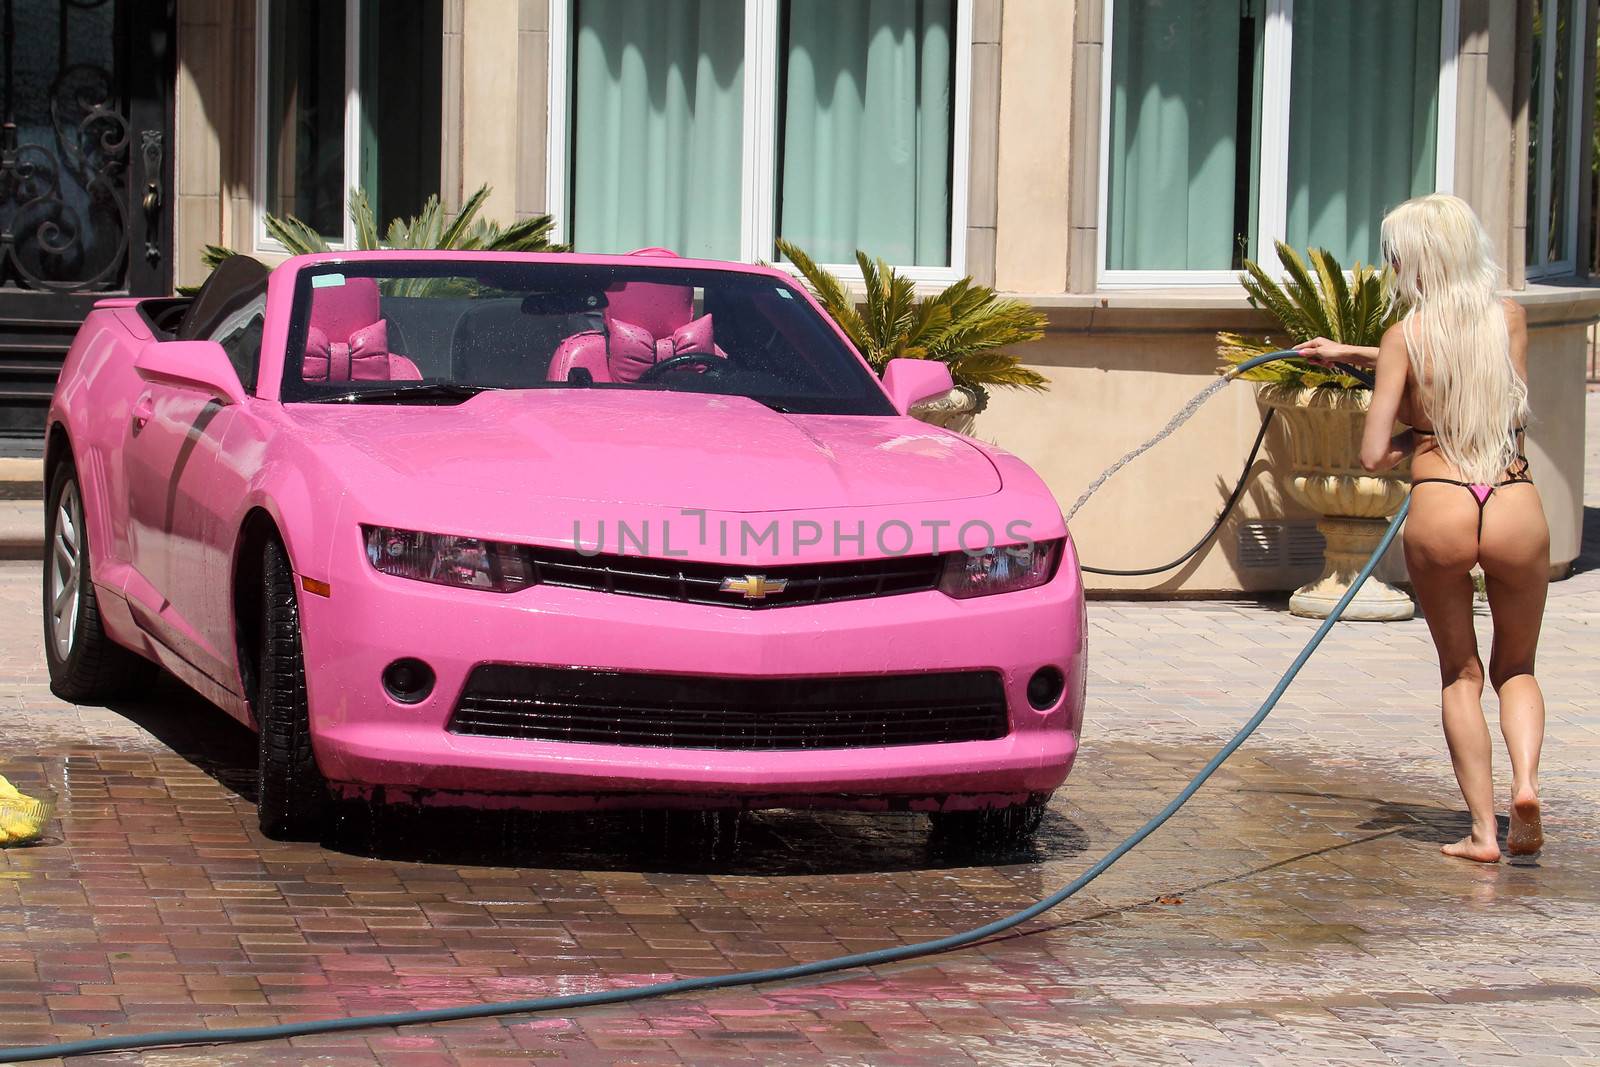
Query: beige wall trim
<point>1491,155</point>
<point>451,192</point>
<point>532,106</point>
<point>1561,305</point>
<point>214,136</point>
<point>1208,309</point>
<point>1521,39</point>
<point>1088,53</point>
<point>983,144</point>
<point>1036,145</point>
<point>491,124</point>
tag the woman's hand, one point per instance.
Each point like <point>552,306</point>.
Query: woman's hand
<point>1325,353</point>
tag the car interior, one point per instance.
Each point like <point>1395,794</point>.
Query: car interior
<point>584,327</point>
<point>620,334</point>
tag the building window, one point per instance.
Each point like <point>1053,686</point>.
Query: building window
<point>1554,126</point>
<point>657,131</point>
<point>348,96</point>
<point>1229,124</point>
<point>865,111</point>
<point>714,126</point>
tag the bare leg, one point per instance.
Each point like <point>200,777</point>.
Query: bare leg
<point>1516,559</point>
<point>1439,560</point>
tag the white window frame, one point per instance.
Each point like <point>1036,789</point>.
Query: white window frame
<point>1579,94</point>
<point>1272,204</point>
<point>759,179</point>
<point>352,126</point>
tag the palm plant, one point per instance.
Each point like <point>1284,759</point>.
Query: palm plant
<point>432,228</point>
<point>1353,311</point>
<point>963,327</point>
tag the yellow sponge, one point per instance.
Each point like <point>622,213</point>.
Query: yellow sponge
<point>22,818</point>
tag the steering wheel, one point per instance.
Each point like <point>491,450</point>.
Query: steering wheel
<point>707,361</point>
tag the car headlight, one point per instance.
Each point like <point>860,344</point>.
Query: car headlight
<point>445,559</point>
<point>999,570</point>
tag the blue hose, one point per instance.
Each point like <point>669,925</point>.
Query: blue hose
<point>773,974</point>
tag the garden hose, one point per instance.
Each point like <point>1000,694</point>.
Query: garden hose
<point>876,957</point>
<point>1227,509</point>
<point>1363,376</point>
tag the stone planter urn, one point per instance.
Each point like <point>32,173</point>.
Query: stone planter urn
<point>955,410</point>
<point>1324,429</point>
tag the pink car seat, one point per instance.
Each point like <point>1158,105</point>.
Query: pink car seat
<point>645,324</point>
<point>348,341</point>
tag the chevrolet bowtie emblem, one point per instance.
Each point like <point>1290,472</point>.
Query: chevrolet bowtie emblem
<point>754,586</point>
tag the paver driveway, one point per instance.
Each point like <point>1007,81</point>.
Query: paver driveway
<point>1298,908</point>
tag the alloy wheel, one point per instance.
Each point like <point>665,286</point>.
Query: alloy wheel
<point>66,564</point>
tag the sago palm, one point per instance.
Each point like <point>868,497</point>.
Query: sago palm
<point>1354,311</point>
<point>432,228</point>
<point>963,327</point>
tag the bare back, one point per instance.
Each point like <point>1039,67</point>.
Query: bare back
<point>1513,542</point>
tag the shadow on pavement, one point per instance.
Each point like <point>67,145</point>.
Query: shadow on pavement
<point>199,731</point>
<point>765,843</point>
<point>1589,548</point>
<point>1421,822</point>
<point>782,842</point>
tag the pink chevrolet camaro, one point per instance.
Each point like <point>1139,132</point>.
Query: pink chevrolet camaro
<point>564,532</point>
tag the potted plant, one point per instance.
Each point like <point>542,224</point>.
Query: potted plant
<point>1324,411</point>
<point>432,228</point>
<point>963,327</point>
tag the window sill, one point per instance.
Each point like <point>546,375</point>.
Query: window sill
<point>1560,301</point>
<point>1177,309</point>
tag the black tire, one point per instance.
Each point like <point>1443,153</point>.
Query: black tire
<point>989,830</point>
<point>293,800</point>
<point>94,669</point>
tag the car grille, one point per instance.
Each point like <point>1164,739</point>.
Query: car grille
<point>701,583</point>
<point>734,714</point>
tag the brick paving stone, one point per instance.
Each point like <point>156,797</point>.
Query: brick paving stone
<point>1317,919</point>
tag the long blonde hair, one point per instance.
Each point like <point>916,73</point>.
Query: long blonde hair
<point>1443,278</point>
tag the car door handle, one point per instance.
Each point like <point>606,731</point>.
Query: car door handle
<point>143,408</point>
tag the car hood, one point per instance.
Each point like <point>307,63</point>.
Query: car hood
<point>669,449</point>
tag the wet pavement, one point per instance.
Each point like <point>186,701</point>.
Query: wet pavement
<point>1298,908</point>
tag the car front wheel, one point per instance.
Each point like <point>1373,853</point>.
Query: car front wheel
<point>293,802</point>
<point>86,666</point>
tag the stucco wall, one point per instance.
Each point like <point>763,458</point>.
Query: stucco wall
<point>1121,364</point>
<point>1117,374</point>
<point>1558,320</point>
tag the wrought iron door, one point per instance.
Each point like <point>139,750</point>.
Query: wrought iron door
<point>85,180</point>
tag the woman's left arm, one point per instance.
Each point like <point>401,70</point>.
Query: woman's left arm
<point>1379,450</point>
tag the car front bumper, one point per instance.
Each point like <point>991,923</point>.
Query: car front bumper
<point>364,740</point>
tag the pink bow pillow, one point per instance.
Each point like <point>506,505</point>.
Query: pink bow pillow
<point>365,357</point>
<point>634,349</point>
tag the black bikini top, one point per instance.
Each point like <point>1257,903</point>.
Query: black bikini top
<point>1514,431</point>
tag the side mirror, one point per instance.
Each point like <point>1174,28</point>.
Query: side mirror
<point>201,365</point>
<point>908,381</point>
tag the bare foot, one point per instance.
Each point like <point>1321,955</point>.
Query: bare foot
<point>1470,848</point>
<point>1526,836</point>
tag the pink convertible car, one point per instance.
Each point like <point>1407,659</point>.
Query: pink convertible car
<point>564,532</point>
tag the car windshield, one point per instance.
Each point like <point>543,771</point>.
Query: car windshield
<point>439,331</point>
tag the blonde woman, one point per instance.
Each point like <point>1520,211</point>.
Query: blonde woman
<point>1455,368</point>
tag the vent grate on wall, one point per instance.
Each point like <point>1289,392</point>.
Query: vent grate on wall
<point>1264,545</point>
